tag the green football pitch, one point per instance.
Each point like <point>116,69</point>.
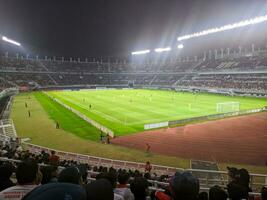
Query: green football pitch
<point>127,111</point>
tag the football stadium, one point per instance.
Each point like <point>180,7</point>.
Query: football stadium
<point>93,106</point>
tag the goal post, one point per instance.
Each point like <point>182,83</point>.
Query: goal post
<point>225,107</point>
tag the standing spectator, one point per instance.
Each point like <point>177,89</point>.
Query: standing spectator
<point>139,188</point>
<point>148,167</point>
<point>28,177</point>
<point>122,188</point>
<point>6,170</point>
<point>53,159</point>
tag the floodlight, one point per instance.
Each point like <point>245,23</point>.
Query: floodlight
<point>244,23</point>
<point>159,50</point>
<point>141,52</point>
<point>180,46</point>
<point>10,41</point>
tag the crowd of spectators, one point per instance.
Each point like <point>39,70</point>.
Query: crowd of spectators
<point>37,73</point>
<point>243,82</point>
<point>45,176</point>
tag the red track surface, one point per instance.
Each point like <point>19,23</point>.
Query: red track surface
<point>234,140</point>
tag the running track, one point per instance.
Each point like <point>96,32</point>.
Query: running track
<point>233,140</point>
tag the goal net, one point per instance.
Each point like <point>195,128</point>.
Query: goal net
<point>225,107</point>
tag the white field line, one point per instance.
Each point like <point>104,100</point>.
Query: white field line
<point>95,111</point>
<point>81,115</point>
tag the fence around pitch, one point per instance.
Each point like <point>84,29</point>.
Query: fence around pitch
<point>207,177</point>
<point>97,161</point>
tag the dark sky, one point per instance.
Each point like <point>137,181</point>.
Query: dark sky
<point>81,28</point>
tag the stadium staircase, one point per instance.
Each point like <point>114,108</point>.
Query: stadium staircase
<point>152,79</point>
<point>45,68</point>
<point>7,130</point>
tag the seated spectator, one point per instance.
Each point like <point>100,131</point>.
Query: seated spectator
<point>53,159</point>
<point>70,175</point>
<point>217,193</point>
<point>83,171</point>
<point>49,174</point>
<point>100,189</point>
<point>112,178</point>
<point>6,170</point>
<point>184,186</point>
<point>203,196</point>
<point>58,191</point>
<point>122,188</point>
<point>28,177</point>
<point>264,193</point>
<point>139,188</point>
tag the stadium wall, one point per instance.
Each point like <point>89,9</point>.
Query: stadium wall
<point>215,116</point>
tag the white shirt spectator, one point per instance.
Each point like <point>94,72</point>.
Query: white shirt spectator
<point>124,192</point>
<point>116,197</point>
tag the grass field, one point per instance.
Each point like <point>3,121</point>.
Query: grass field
<point>126,111</point>
<point>75,135</point>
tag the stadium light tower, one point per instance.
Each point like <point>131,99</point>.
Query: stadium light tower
<point>159,50</point>
<point>180,46</point>
<point>141,52</point>
<point>240,24</point>
<point>4,38</point>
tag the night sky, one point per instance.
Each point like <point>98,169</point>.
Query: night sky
<point>81,28</point>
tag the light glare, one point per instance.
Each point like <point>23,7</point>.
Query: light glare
<point>180,46</point>
<point>159,50</point>
<point>10,41</point>
<point>225,28</point>
<point>140,52</point>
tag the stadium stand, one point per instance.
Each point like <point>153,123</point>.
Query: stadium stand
<point>222,73</point>
<point>14,159</point>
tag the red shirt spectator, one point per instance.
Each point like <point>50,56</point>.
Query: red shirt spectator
<point>148,167</point>
<point>53,159</point>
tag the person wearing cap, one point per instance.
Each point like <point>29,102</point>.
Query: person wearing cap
<point>28,177</point>
<point>70,175</point>
<point>182,186</point>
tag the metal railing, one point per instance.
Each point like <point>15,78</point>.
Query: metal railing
<point>207,177</point>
